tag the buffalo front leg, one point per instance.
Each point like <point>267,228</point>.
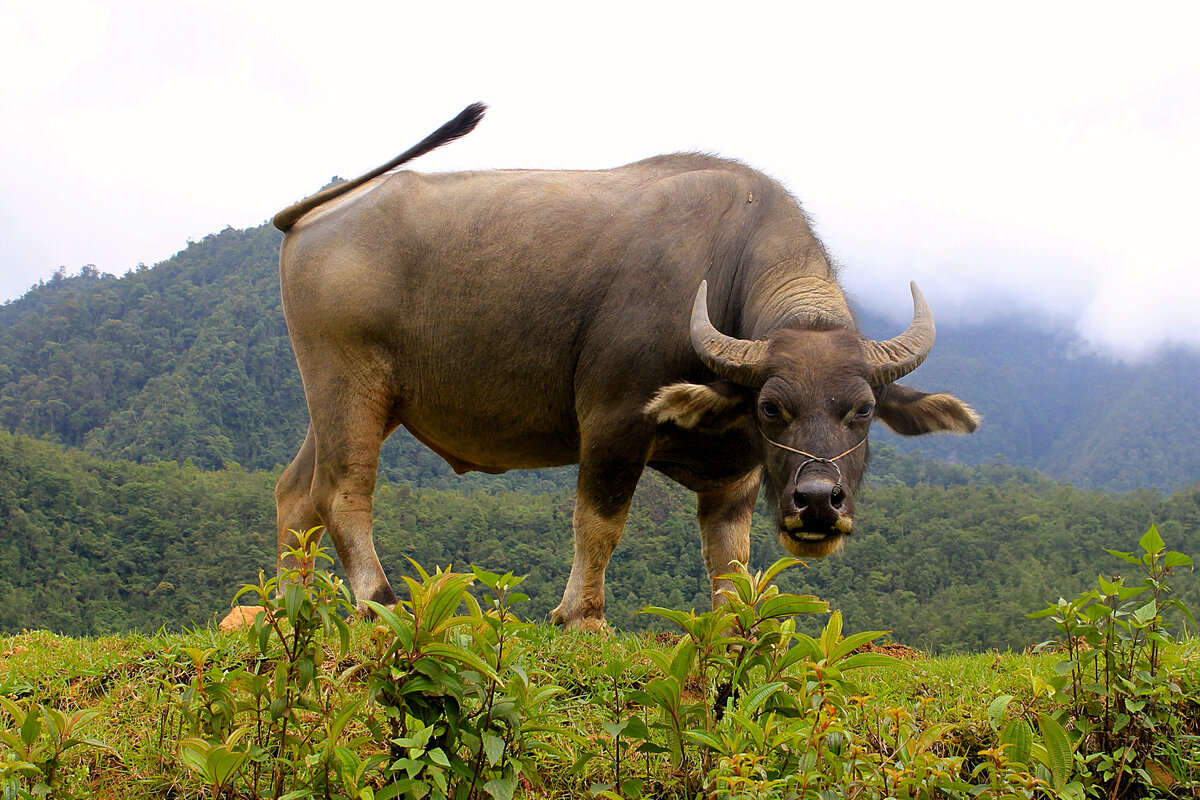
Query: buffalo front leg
<point>601,505</point>
<point>724,516</point>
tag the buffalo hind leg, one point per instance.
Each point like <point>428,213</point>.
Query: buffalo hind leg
<point>724,516</point>
<point>294,511</point>
<point>601,505</point>
<point>347,437</point>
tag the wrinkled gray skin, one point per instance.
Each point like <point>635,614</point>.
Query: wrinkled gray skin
<point>517,319</point>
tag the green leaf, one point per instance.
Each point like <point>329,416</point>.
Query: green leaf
<point>1073,791</point>
<point>488,579</point>
<point>760,695</point>
<point>581,761</point>
<point>13,710</point>
<point>447,597</point>
<point>1045,612</point>
<point>805,649</point>
<point>682,657</point>
<point>293,598</point>
<point>278,707</point>
<point>1058,750</point>
<point>1173,559</point>
<point>305,670</point>
<point>832,633</point>
<point>789,605</point>
<point>996,709</point>
<point>388,792</point>
<point>401,628</point>
<point>344,716</point>
<point>705,739</point>
<point>1129,557</point>
<point>635,728</point>
<point>615,729</point>
<point>1151,542</point>
<point>225,765</point>
<point>860,660</point>
<point>438,756</point>
<point>194,752</point>
<point>1146,613</point>
<point>501,788</point>
<point>680,618</point>
<point>1017,737</point>
<point>31,726</point>
<point>778,567</point>
<point>262,633</point>
<point>852,643</point>
<point>932,735</point>
<point>444,651</point>
<point>343,634</point>
<point>493,747</point>
<point>632,787</point>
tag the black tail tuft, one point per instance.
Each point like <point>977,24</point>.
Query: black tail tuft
<point>456,128</point>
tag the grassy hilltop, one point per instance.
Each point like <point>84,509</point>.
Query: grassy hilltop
<point>450,695</point>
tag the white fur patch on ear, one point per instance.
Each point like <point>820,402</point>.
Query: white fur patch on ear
<point>948,413</point>
<point>930,413</point>
<point>687,404</point>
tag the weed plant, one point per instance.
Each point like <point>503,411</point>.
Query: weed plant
<point>450,695</point>
<point>1127,693</point>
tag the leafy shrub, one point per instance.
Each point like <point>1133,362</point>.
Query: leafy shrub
<point>1135,719</point>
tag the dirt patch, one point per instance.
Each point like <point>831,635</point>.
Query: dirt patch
<point>900,651</point>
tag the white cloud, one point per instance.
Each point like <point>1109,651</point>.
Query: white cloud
<point>1031,153</point>
<point>43,43</point>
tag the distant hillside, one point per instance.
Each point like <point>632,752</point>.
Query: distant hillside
<point>1047,402</point>
<point>946,557</point>
<point>190,360</point>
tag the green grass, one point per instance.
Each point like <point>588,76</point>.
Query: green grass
<point>450,695</point>
<point>111,675</point>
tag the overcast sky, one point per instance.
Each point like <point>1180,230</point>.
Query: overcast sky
<point>1041,156</point>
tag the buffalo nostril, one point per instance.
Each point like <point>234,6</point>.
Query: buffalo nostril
<point>819,506</point>
<point>802,499</point>
<point>818,495</point>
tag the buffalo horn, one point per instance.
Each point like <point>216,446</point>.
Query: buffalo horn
<point>891,360</point>
<point>739,360</point>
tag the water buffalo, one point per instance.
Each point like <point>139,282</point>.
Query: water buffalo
<point>676,313</point>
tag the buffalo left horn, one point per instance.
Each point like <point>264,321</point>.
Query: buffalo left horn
<point>739,360</point>
<point>891,360</point>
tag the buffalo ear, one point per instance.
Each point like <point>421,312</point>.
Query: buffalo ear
<point>714,406</point>
<point>911,412</point>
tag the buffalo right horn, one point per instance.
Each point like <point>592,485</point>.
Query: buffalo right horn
<point>739,360</point>
<point>891,360</point>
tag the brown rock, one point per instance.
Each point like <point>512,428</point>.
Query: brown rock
<point>239,617</point>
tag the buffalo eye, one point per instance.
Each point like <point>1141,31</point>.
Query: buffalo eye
<point>768,409</point>
<point>865,411</point>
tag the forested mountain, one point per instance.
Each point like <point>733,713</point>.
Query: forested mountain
<point>143,419</point>
<point>190,360</point>
<point>1048,402</point>
<point>947,557</point>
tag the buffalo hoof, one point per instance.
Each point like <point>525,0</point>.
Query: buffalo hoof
<point>590,625</point>
<point>384,597</point>
<point>579,622</point>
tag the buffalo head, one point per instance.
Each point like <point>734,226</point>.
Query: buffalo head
<point>808,396</point>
